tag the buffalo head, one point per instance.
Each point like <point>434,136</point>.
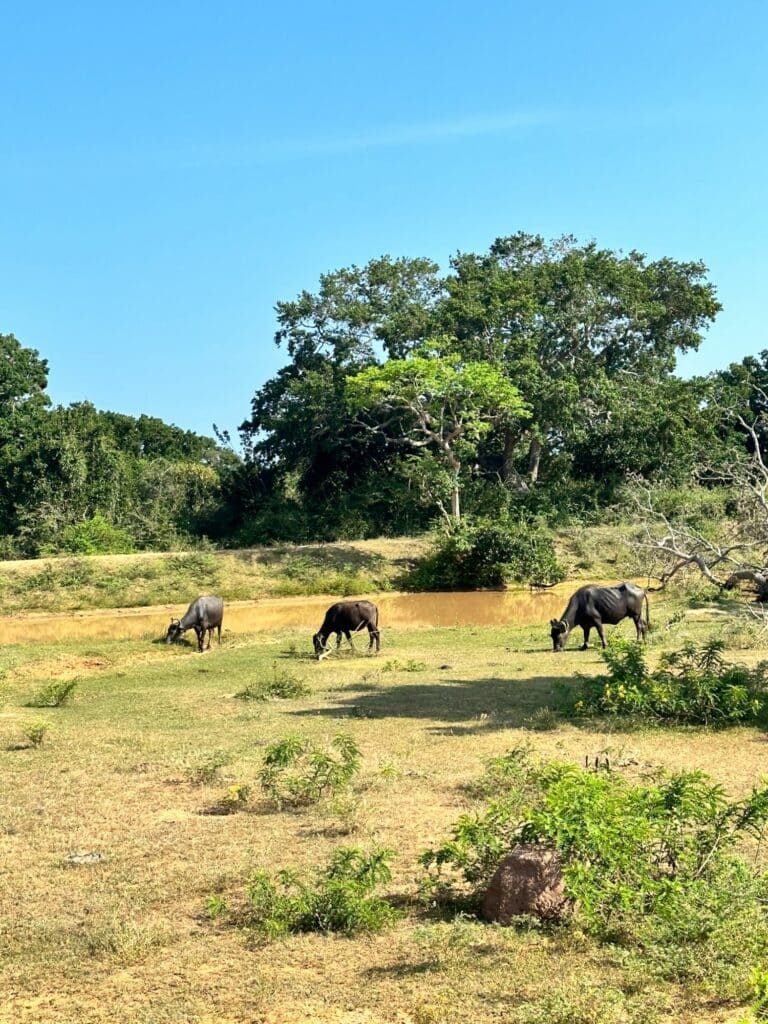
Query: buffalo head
<point>559,633</point>
<point>174,631</point>
<point>318,642</point>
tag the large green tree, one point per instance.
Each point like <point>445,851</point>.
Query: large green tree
<point>579,330</point>
<point>439,402</point>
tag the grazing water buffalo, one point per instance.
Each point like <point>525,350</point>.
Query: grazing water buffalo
<point>348,617</point>
<point>203,615</point>
<point>598,606</point>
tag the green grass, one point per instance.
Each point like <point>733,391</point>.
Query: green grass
<point>131,768</point>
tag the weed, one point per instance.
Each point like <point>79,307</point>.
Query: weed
<point>36,732</point>
<point>128,942</point>
<point>341,898</point>
<point>282,685</point>
<point>297,772</point>
<point>53,695</point>
<point>389,771</point>
<point>216,907</point>
<point>580,1004</point>
<point>206,770</point>
<point>542,720</point>
<point>343,809</point>
<point>409,665</point>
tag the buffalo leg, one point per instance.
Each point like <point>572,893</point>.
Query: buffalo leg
<point>585,645</point>
<point>374,639</point>
<point>200,633</point>
<point>219,628</point>
<point>601,634</point>
<point>348,635</point>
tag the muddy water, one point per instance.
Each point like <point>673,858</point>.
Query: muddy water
<point>520,607</point>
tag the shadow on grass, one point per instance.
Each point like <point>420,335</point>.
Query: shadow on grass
<point>469,705</point>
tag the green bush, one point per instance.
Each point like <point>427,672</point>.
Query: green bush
<point>53,695</point>
<point>297,772</point>
<point>693,685</point>
<point>282,685</point>
<point>488,553</point>
<point>656,867</point>
<point>340,898</point>
<point>36,732</point>
<point>93,536</point>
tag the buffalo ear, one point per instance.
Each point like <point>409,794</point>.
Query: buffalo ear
<point>553,623</point>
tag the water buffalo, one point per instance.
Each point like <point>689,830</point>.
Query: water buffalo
<point>348,617</point>
<point>203,615</point>
<point>598,606</point>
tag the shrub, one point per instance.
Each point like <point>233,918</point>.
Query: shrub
<point>341,898</point>
<point>282,685</point>
<point>54,695</point>
<point>651,866</point>
<point>36,732</point>
<point>92,536</point>
<point>297,772</point>
<point>488,553</point>
<point>693,685</point>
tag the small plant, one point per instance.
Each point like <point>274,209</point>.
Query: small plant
<point>341,898</point>
<point>216,907</point>
<point>389,771</point>
<point>206,770</point>
<point>343,811</point>
<point>282,685</point>
<point>542,720</point>
<point>36,732</point>
<point>693,685</point>
<point>54,695</point>
<point>297,772</point>
<point>408,665</point>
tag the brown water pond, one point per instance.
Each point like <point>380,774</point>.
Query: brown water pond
<point>520,607</point>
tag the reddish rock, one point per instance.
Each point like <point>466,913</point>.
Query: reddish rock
<point>529,880</point>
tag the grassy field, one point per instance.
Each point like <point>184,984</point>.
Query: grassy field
<point>152,739</point>
<point>349,567</point>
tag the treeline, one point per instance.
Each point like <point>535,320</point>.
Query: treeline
<point>528,382</point>
<point>73,478</point>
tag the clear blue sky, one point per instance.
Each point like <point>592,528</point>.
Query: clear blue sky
<point>169,170</point>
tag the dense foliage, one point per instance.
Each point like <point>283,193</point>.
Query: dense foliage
<point>693,685</point>
<point>654,865</point>
<point>340,898</point>
<point>488,553</point>
<point>526,381</point>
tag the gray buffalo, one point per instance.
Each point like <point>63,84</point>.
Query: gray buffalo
<point>204,615</point>
<point>601,606</point>
<point>348,617</point>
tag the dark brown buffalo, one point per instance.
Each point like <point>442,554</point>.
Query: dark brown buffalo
<point>601,606</point>
<point>348,617</point>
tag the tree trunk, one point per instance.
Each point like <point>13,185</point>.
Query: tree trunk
<point>510,476</point>
<point>455,505</point>
<point>534,459</point>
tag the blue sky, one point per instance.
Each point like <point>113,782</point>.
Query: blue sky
<point>170,170</point>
